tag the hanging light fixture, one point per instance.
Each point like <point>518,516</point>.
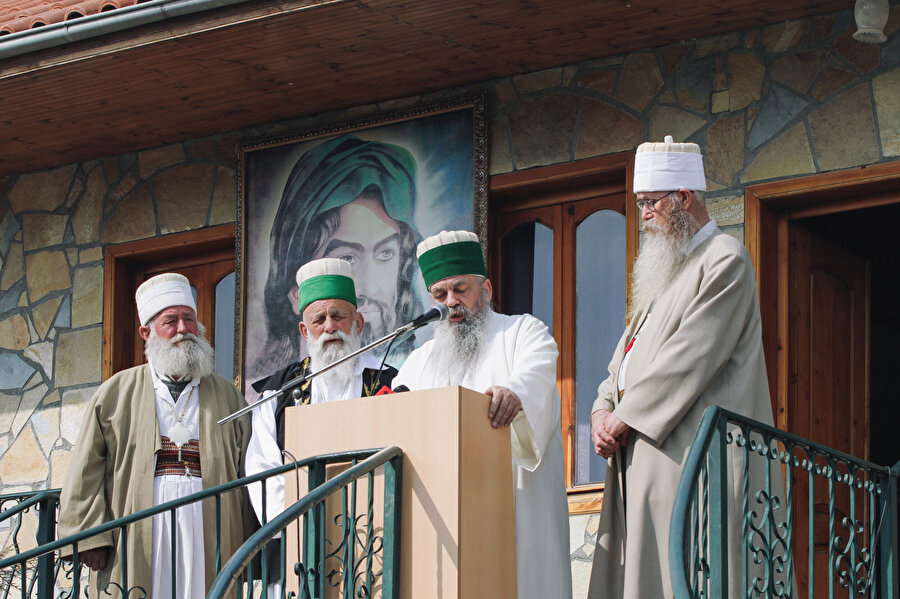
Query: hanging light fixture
<point>871,16</point>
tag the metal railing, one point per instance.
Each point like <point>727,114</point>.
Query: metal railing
<point>39,573</point>
<point>364,558</point>
<point>763,513</point>
<point>29,574</point>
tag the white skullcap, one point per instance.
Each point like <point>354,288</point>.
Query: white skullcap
<point>668,166</point>
<point>324,266</point>
<point>443,238</point>
<point>449,254</point>
<point>326,278</point>
<point>161,292</point>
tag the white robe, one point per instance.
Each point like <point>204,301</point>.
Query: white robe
<point>520,354</point>
<point>189,570</point>
<point>263,452</point>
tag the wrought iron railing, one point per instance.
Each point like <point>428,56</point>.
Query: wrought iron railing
<point>38,574</point>
<point>32,577</point>
<point>364,557</point>
<point>763,513</point>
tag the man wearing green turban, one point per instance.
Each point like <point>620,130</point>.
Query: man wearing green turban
<point>351,199</point>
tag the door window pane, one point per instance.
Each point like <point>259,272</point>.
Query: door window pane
<point>527,253</point>
<point>225,327</point>
<point>600,317</point>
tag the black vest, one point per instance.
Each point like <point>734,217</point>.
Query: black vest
<point>303,393</point>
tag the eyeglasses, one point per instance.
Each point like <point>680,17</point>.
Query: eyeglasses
<point>651,204</point>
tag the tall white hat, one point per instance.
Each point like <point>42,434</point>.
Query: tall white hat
<point>668,166</point>
<point>325,278</point>
<point>161,292</point>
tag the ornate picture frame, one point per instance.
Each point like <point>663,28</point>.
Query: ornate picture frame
<point>367,190</point>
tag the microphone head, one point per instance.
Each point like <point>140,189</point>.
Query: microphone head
<point>443,311</point>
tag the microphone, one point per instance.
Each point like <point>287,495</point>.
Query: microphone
<point>435,313</point>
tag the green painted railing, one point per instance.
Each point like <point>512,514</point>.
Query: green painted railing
<point>763,513</point>
<point>364,559</point>
<point>38,576</point>
<point>36,572</point>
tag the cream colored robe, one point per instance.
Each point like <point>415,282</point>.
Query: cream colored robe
<point>701,346</point>
<point>112,469</point>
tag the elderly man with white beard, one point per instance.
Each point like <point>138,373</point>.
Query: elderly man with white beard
<point>331,327</point>
<point>512,359</point>
<point>693,340</point>
<point>150,436</point>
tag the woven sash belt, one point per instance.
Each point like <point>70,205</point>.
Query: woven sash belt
<point>168,460</point>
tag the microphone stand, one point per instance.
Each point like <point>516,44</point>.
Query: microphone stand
<point>302,379</point>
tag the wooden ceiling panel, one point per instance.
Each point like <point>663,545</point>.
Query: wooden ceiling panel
<point>259,62</point>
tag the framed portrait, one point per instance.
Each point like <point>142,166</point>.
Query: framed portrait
<point>367,191</point>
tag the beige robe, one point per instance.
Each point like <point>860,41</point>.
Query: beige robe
<point>112,469</point>
<point>701,346</point>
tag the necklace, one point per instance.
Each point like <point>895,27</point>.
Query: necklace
<point>179,434</point>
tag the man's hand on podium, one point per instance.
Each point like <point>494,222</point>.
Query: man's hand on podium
<point>504,406</point>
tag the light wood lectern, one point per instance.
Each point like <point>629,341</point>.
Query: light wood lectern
<point>457,515</point>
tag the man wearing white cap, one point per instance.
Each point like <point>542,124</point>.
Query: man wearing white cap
<point>150,435</point>
<point>331,327</point>
<point>513,360</point>
<point>693,339</point>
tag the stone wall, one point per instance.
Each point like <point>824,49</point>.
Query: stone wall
<point>791,99</point>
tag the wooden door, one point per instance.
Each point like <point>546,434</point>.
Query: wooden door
<point>828,393</point>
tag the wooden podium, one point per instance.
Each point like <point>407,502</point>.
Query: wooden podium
<point>457,512</point>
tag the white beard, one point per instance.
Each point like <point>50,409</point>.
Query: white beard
<point>458,344</point>
<point>321,355</point>
<point>663,252</point>
<point>184,356</point>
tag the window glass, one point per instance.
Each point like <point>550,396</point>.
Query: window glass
<point>528,272</point>
<point>224,334</point>
<point>600,317</point>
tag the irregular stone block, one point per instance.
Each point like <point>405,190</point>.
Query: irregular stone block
<point>541,130</point>
<point>46,427</point>
<point>726,210</point>
<point>843,130</point>
<point>831,80</point>
<point>132,219</point>
<point>798,70</point>
<point>30,400</point>
<point>745,76</point>
<point>724,149</point>
<point>779,108</point>
<point>12,298</point>
<point>865,57</point>
<point>183,195</point>
<point>89,255</point>
<point>605,129</point>
<point>9,226</point>
<point>87,296</point>
<point>538,80</point>
<point>13,267</point>
<point>151,161</point>
<point>787,155</point>
<point>42,315</point>
<point>224,204</point>
<point>714,45</point>
<point>43,230</point>
<point>695,82</point>
<point>14,333</point>
<point>42,191</point>
<point>672,54</point>
<point>78,357</point>
<point>23,463</point>
<point>784,36</point>
<point>88,216</point>
<point>887,104</point>
<point>46,272</point>
<point>64,316</point>
<point>501,159</point>
<point>59,466</point>
<point>74,404</point>
<point>668,120</point>
<point>504,93</point>
<point>602,81</point>
<point>9,406</point>
<point>640,80</point>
